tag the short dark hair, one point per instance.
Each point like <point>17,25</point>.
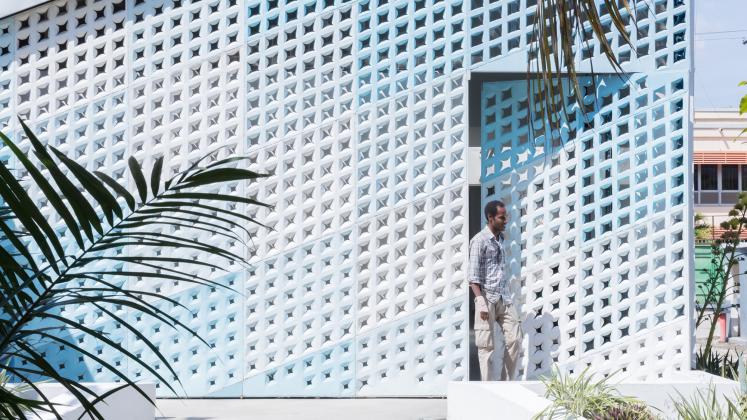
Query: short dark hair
<point>491,209</point>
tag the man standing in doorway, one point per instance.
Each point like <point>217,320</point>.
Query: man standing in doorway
<point>498,345</point>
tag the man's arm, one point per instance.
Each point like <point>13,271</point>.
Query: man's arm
<point>480,305</point>
<point>476,289</point>
<point>477,276</point>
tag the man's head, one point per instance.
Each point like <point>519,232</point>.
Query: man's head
<point>496,216</point>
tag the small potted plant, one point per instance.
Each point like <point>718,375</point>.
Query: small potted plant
<point>702,229</point>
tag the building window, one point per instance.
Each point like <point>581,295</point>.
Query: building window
<point>709,177</point>
<point>730,177</point>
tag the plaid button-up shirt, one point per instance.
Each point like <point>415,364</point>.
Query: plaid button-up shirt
<point>487,265</point>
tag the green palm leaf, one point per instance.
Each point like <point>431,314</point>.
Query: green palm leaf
<point>84,211</point>
<point>155,176</point>
<point>41,182</point>
<point>137,175</point>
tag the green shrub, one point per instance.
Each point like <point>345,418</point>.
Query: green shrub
<point>583,396</point>
<point>705,406</point>
<point>724,365</point>
<point>626,411</point>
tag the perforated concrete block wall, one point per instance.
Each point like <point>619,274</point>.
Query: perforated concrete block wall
<point>360,111</point>
<point>599,216</point>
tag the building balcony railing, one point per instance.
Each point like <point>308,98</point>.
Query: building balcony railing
<point>718,198</point>
<point>714,230</point>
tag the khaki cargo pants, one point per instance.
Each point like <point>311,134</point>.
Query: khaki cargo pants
<point>498,339</point>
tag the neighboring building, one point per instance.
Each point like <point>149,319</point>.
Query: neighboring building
<point>720,162</point>
<point>719,174</point>
<point>364,111</point>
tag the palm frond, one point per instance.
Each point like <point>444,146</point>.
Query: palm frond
<point>39,275</point>
<point>561,30</point>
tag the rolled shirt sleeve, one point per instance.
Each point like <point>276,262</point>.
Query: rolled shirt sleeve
<point>476,262</point>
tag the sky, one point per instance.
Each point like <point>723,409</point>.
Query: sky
<point>720,52</point>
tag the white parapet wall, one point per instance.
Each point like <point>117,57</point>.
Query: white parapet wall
<point>125,404</point>
<point>524,399</point>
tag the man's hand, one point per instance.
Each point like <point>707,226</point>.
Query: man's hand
<point>484,316</point>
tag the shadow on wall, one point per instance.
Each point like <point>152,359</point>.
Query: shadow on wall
<point>541,332</point>
<point>56,354</point>
<point>475,224</point>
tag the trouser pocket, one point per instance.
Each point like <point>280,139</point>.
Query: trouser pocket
<point>512,324</point>
<point>483,340</point>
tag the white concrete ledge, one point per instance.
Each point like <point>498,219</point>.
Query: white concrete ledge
<point>125,404</point>
<point>524,399</point>
<point>493,400</point>
<point>9,8</point>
